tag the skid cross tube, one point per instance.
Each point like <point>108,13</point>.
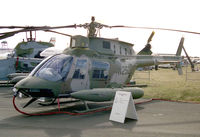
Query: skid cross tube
<point>84,113</point>
<point>58,112</point>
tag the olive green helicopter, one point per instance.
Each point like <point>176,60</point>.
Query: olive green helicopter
<point>92,68</point>
<point>24,57</point>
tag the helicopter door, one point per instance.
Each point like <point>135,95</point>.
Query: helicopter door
<point>80,77</point>
<point>100,71</point>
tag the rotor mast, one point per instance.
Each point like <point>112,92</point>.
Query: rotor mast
<point>30,38</point>
<point>93,27</point>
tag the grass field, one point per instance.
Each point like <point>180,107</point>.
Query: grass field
<point>167,84</point>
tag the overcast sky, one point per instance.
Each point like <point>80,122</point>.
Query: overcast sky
<point>173,14</point>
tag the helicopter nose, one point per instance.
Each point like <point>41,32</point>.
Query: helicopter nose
<point>36,87</point>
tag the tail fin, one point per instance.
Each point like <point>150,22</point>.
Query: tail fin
<point>53,40</point>
<point>180,47</point>
<point>178,53</point>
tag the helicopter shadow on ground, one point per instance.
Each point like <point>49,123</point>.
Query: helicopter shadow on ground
<point>61,125</point>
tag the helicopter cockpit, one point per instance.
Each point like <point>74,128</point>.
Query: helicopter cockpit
<point>55,68</point>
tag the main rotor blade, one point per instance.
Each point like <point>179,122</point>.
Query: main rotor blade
<point>30,101</point>
<point>7,35</point>
<point>12,27</point>
<point>13,32</point>
<point>59,33</point>
<point>33,28</point>
<point>185,31</point>
<point>56,27</point>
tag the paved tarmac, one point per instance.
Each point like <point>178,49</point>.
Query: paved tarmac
<point>156,119</point>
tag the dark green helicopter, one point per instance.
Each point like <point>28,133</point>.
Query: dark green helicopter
<point>92,68</point>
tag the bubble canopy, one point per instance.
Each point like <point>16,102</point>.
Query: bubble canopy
<point>55,68</point>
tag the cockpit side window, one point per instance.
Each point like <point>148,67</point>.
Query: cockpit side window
<point>80,70</point>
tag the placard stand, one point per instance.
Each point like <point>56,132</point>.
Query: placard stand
<point>123,107</point>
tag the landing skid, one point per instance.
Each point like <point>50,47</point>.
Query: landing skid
<point>55,103</point>
<point>87,109</point>
<point>74,113</point>
<point>48,103</point>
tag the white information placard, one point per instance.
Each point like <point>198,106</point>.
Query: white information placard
<point>123,107</point>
